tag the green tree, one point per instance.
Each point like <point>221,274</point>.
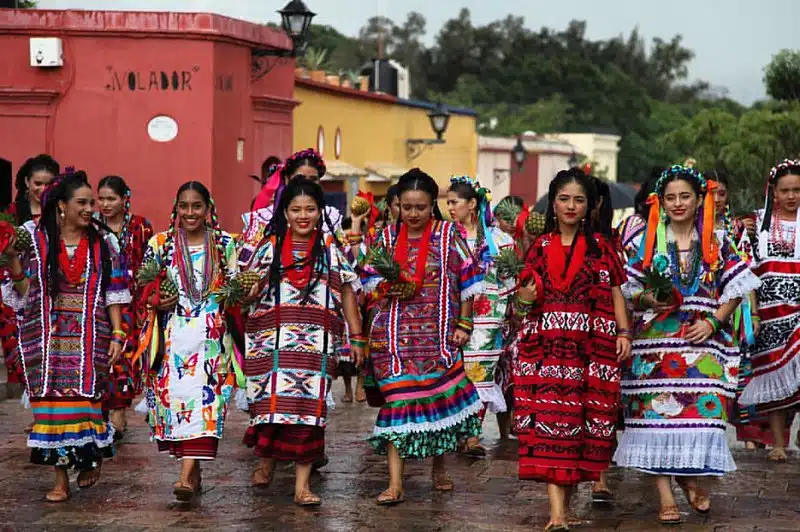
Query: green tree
<point>782,76</point>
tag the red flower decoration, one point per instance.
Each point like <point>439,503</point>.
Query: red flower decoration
<point>481,306</point>
<point>673,365</point>
<point>7,234</point>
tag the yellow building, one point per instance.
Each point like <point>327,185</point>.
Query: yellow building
<point>362,136</point>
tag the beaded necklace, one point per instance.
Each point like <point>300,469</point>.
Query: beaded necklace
<point>776,236</point>
<point>686,277</point>
<point>186,271</point>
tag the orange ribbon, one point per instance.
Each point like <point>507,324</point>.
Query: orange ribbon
<point>710,247</point>
<point>652,223</point>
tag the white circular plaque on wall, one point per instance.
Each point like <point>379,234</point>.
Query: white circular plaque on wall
<point>162,128</point>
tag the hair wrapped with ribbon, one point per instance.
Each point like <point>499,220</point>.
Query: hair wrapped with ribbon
<point>485,216</point>
<point>655,237</point>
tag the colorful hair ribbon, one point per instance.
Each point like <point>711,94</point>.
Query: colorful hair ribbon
<point>653,221</point>
<point>269,190</point>
<point>709,240</point>
<point>373,209</point>
<point>519,226</point>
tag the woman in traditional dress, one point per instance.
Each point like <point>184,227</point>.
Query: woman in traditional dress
<point>133,232</point>
<point>685,285</point>
<point>567,352</point>
<point>774,389</point>
<point>469,204</point>
<point>68,290</point>
<point>307,163</point>
<point>32,178</point>
<point>750,427</point>
<point>190,378</point>
<point>294,331</point>
<point>423,318</point>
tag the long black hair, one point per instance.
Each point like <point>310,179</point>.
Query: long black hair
<point>42,162</point>
<point>562,179</point>
<point>62,190</point>
<point>297,160</point>
<point>279,228</point>
<point>648,187</point>
<point>605,215</point>
<point>416,179</point>
<point>121,189</point>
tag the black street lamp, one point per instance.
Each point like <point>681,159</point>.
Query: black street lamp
<point>573,160</point>
<point>295,21</point>
<point>440,119</point>
<point>519,153</point>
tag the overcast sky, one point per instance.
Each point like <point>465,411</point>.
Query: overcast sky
<point>732,39</point>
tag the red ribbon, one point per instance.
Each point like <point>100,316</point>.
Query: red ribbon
<point>522,217</point>
<point>401,255</point>
<point>373,210</point>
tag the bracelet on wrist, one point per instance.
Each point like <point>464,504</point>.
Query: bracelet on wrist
<point>465,329</point>
<point>714,322</point>
<point>522,301</point>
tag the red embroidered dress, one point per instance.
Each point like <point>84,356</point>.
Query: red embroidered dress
<point>566,374</point>
<point>125,381</point>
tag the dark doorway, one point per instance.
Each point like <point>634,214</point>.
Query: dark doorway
<point>6,184</point>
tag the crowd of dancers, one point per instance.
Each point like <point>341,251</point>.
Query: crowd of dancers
<point>664,329</point>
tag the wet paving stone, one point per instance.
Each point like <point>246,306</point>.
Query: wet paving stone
<point>135,493</point>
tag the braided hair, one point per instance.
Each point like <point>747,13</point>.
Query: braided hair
<point>212,225</point>
<point>40,163</point>
<point>279,229</point>
<point>605,211</point>
<point>465,189</point>
<point>120,188</point>
<point>61,190</point>
<point>562,179</point>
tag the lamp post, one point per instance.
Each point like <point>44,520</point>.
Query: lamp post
<point>295,21</point>
<point>439,119</point>
<point>519,153</point>
<point>573,160</point>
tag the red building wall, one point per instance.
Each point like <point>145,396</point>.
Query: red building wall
<point>524,182</point>
<point>121,70</point>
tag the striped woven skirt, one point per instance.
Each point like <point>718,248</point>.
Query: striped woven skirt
<point>70,433</point>
<point>287,443</point>
<point>203,448</point>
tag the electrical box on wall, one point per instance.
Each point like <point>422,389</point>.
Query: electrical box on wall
<point>46,52</point>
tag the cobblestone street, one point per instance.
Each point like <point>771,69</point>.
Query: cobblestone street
<point>135,491</point>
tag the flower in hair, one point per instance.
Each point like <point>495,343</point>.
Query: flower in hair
<point>783,165</point>
<point>311,154</point>
<point>676,170</point>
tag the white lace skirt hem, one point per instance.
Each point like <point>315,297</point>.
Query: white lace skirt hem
<point>702,451</point>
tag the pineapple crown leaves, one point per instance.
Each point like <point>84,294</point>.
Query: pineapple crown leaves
<point>382,261</point>
<point>507,211</point>
<point>508,263</point>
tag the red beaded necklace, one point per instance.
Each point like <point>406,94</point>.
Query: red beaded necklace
<point>73,267</point>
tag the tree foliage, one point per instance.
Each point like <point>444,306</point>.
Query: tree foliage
<point>521,79</point>
<point>782,76</point>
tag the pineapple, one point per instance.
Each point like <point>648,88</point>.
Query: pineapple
<point>149,272</point>
<point>534,225</point>
<point>382,262</point>
<point>508,264</point>
<point>507,212</point>
<point>359,206</point>
<point>232,293</point>
<point>23,240</point>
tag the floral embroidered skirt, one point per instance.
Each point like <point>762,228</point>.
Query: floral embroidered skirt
<point>70,433</point>
<point>677,398</point>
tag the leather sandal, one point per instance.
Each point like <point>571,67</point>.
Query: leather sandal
<point>474,449</point>
<point>442,481</point>
<point>389,498</point>
<point>695,496</point>
<point>307,499</point>
<point>262,478</point>
<point>58,495</point>
<point>669,515</point>
<point>778,454</point>
<point>88,478</point>
<point>602,495</point>
<point>361,396</point>
<point>184,492</point>
<point>556,527</point>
